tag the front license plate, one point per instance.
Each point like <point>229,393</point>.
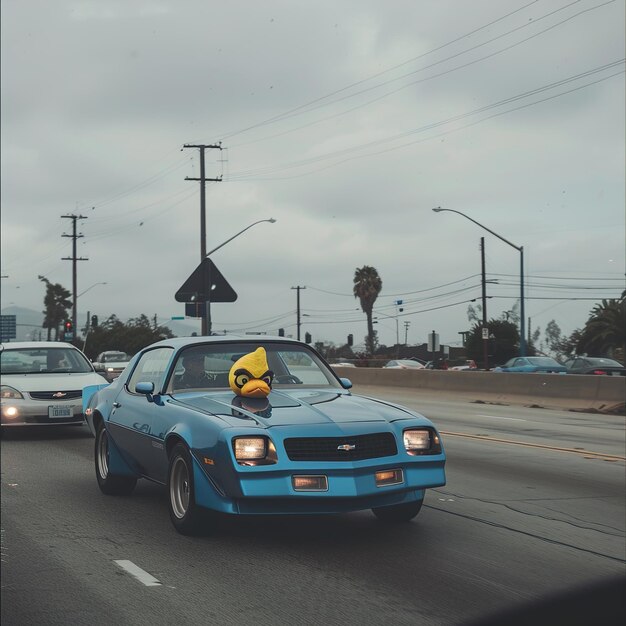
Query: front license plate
<point>60,411</point>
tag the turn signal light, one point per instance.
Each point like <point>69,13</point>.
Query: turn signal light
<point>389,477</point>
<point>309,483</point>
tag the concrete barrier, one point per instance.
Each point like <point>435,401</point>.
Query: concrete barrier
<point>569,390</point>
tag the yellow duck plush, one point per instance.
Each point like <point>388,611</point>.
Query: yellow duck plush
<point>250,375</point>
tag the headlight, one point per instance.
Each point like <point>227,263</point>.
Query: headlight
<point>254,450</point>
<point>9,393</point>
<point>421,441</point>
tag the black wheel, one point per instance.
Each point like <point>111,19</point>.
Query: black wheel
<point>185,514</point>
<point>399,512</point>
<point>111,484</point>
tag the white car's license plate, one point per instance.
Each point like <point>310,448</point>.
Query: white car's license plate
<point>60,411</point>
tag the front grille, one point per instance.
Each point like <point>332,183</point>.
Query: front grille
<point>326,448</point>
<point>49,395</point>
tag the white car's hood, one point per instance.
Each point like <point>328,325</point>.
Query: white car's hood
<point>52,382</point>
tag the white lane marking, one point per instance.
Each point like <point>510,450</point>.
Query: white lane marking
<point>138,573</point>
<point>498,417</point>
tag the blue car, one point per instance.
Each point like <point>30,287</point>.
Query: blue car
<point>310,446</point>
<point>526,364</point>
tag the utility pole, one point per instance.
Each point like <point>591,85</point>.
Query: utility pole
<point>298,309</point>
<point>206,318</point>
<point>406,332</point>
<point>74,258</point>
<point>485,330</point>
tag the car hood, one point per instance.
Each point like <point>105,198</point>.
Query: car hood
<point>52,382</point>
<point>297,407</point>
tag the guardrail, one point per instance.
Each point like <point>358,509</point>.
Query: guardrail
<point>572,390</point>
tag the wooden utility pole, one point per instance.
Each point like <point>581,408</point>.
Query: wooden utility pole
<point>74,258</point>
<point>206,318</point>
<point>298,308</point>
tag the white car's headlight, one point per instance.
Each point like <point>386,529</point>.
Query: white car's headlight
<point>419,441</point>
<point>254,450</point>
<point>9,393</point>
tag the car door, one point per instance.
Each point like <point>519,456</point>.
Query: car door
<point>132,420</point>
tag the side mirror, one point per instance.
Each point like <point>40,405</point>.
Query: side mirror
<point>147,389</point>
<point>346,383</point>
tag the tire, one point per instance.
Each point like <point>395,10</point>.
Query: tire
<point>185,514</point>
<point>398,513</point>
<point>110,484</point>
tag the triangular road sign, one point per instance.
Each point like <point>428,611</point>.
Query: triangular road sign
<point>206,279</point>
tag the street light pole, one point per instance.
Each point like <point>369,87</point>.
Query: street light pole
<point>520,249</point>
<point>207,317</point>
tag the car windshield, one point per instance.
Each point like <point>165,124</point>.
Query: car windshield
<point>605,362</point>
<point>291,365</point>
<point>43,361</point>
<point>109,357</point>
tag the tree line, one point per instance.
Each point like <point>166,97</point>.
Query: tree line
<point>604,333</point>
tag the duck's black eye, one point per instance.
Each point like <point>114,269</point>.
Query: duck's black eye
<point>242,377</point>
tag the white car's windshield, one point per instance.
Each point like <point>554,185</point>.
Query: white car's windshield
<point>43,360</point>
<point>110,357</point>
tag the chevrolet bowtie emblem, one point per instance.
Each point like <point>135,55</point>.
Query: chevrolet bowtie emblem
<point>346,446</point>
<point>59,394</point>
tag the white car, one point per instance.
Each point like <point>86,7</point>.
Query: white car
<point>111,363</point>
<point>403,364</point>
<point>41,383</point>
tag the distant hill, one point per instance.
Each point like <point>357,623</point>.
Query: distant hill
<point>29,325</point>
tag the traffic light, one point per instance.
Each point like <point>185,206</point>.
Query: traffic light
<point>94,321</point>
<point>350,339</point>
<point>281,332</point>
<point>307,337</point>
<point>68,330</point>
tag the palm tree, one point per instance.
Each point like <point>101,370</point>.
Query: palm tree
<point>605,331</point>
<point>57,303</point>
<point>367,286</point>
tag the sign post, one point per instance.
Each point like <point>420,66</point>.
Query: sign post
<point>7,327</point>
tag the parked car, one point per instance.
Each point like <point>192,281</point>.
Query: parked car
<point>310,446</point>
<point>468,365</point>
<point>42,383</point>
<point>527,364</point>
<point>404,364</point>
<point>598,366</point>
<point>111,363</point>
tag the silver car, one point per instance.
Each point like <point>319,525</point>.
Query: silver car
<point>111,363</point>
<point>41,383</point>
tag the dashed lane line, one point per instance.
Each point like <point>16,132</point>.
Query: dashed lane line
<point>142,576</point>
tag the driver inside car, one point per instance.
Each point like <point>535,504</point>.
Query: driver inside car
<point>194,374</point>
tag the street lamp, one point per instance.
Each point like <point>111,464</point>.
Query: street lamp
<point>88,288</point>
<point>206,319</point>
<point>520,249</point>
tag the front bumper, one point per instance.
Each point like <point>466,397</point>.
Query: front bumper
<point>350,485</point>
<point>29,412</point>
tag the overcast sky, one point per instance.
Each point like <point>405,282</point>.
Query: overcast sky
<point>345,121</point>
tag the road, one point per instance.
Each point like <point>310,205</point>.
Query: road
<point>534,506</point>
